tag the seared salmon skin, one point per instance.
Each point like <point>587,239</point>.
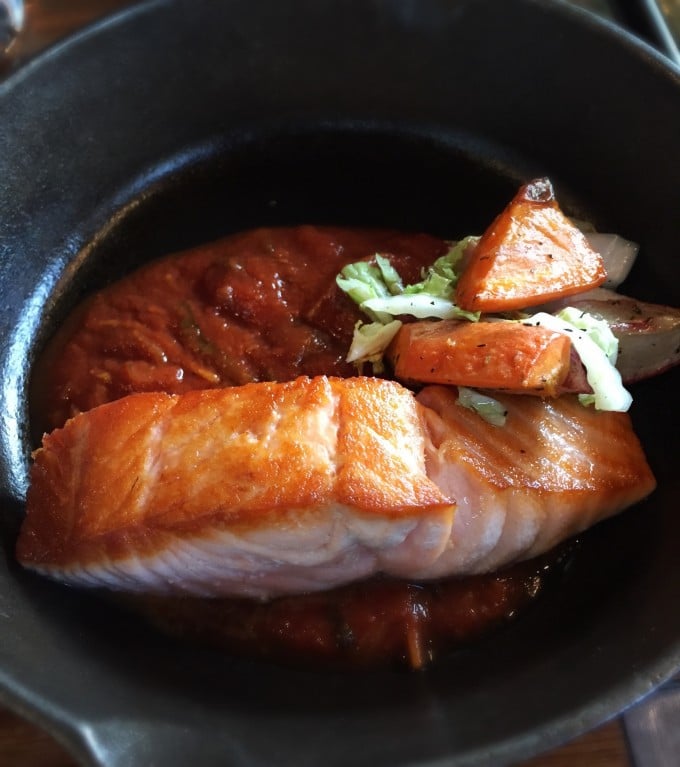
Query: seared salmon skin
<point>282,488</point>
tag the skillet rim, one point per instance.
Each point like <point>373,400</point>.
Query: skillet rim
<point>78,740</point>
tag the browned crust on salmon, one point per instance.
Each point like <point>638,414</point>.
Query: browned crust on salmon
<point>132,475</point>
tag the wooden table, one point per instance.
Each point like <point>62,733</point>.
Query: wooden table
<point>22,744</point>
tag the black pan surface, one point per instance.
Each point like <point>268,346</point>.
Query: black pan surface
<point>180,121</point>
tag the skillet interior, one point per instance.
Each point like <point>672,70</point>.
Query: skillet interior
<point>182,121</point>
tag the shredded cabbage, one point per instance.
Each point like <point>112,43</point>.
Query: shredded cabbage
<point>363,281</point>
<point>441,277</point>
<point>370,341</point>
<point>380,293</point>
<point>597,329</point>
<point>420,305</point>
<point>389,275</point>
<point>490,409</point>
<point>597,347</point>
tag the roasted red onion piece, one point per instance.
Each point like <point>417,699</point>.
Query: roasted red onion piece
<point>617,253</point>
<point>648,334</point>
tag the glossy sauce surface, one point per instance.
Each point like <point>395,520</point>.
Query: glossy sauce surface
<point>377,622</point>
<point>263,305</point>
<point>257,306</point>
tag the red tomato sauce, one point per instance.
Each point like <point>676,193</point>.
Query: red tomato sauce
<point>378,622</point>
<point>264,305</point>
<point>258,306</point>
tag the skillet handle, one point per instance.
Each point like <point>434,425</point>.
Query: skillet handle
<point>665,19</point>
<point>653,727</point>
<point>137,743</point>
<point>654,21</point>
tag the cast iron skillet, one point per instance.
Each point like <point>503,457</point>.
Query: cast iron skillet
<point>180,121</point>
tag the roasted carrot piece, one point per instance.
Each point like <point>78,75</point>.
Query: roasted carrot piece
<point>486,355</point>
<point>531,253</point>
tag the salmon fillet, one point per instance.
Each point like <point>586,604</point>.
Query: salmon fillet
<point>553,470</point>
<point>282,488</point>
<point>257,490</point>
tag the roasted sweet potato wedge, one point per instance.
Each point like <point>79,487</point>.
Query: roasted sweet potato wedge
<point>530,254</point>
<point>488,355</point>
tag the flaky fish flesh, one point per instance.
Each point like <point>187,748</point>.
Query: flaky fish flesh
<point>281,488</point>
